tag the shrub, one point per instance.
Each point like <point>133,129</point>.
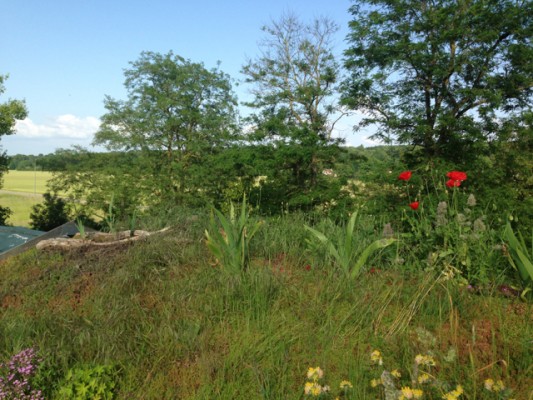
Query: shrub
<point>51,213</point>
<point>5,213</point>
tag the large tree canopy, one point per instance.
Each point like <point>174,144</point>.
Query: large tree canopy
<point>296,73</point>
<point>10,111</point>
<point>440,74</point>
<point>293,83</point>
<point>177,113</point>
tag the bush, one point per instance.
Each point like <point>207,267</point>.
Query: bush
<point>5,213</point>
<point>51,213</point>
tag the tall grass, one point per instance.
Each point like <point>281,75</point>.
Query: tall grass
<point>177,328</point>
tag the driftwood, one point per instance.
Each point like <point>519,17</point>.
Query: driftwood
<point>95,239</point>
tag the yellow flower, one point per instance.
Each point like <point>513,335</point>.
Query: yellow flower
<point>315,373</point>
<point>424,378</point>
<point>489,383</point>
<point>454,394</point>
<point>498,386</point>
<point>407,393</point>
<point>375,382</point>
<point>424,360</point>
<point>396,373</point>
<point>312,388</point>
<point>346,385</point>
<point>376,357</point>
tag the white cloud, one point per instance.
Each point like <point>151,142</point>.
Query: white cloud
<point>63,126</point>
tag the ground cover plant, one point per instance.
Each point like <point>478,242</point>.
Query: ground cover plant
<point>170,323</point>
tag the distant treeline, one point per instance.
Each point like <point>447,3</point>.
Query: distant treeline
<point>64,159</point>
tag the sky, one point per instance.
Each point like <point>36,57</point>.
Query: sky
<point>64,56</point>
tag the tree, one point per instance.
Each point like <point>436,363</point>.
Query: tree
<point>443,75</point>
<point>49,214</point>
<point>10,112</point>
<point>177,114</point>
<point>294,82</point>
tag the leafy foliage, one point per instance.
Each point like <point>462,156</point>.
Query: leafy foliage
<point>10,111</point>
<point>294,82</point>
<point>228,239</point>
<point>346,253</point>
<point>89,383</point>
<point>520,256</point>
<point>444,75</point>
<point>5,212</point>
<point>177,113</point>
<point>49,214</point>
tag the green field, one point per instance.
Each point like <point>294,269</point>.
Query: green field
<point>26,181</point>
<point>31,186</point>
<point>21,207</point>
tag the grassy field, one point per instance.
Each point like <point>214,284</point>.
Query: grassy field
<point>21,207</point>
<point>161,319</point>
<point>26,181</point>
<point>31,186</point>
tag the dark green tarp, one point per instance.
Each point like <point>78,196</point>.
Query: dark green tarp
<point>13,236</point>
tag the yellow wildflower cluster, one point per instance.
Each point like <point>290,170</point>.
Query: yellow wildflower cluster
<point>376,382</point>
<point>454,394</point>
<point>423,378</point>
<point>376,357</point>
<point>492,386</point>
<point>345,385</point>
<point>315,373</point>
<point>314,388</point>
<point>425,360</point>
<point>408,393</point>
<point>396,373</point>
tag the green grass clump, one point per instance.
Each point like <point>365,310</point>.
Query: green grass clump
<point>175,327</point>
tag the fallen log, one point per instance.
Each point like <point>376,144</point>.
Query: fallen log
<point>96,240</point>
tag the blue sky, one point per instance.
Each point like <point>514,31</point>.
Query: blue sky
<point>64,56</point>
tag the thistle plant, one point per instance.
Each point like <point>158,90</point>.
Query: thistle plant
<point>345,251</point>
<point>228,238</point>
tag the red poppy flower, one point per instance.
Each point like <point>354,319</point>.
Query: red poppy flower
<point>414,205</point>
<point>307,267</point>
<point>451,183</point>
<point>405,176</point>
<point>456,176</point>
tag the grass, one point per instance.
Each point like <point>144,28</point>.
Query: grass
<point>26,181</point>
<point>178,328</point>
<point>21,207</point>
